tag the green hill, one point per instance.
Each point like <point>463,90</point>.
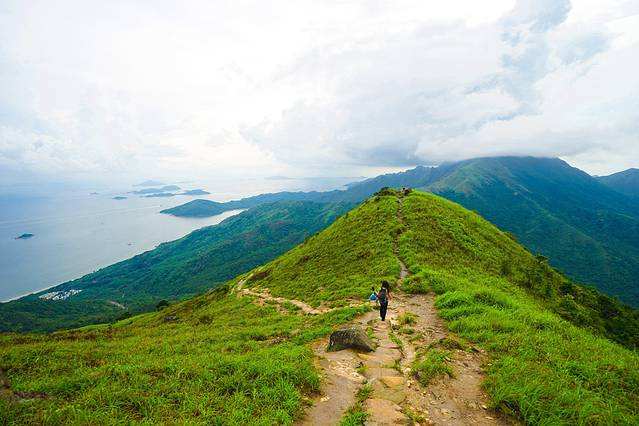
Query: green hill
<point>174,270</point>
<point>626,182</point>
<point>586,229</point>
<point>197,208</point>
<point>228,358</point>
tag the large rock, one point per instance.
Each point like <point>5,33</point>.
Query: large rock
<point>350,338</point>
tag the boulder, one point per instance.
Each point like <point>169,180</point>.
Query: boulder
<point>350,338</point>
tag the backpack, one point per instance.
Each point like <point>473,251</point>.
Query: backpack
<point>382,295</point>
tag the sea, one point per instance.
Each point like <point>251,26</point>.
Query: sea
<point>76,232</point>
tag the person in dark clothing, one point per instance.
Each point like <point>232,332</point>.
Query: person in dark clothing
<point>383,296</point>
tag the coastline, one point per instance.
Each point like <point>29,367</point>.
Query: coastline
<point>221,217</point>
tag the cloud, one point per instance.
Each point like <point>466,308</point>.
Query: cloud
<point>312,87</point>
<point>525,84</point>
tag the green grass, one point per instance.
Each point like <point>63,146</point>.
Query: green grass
<point>407,318</point>
<point>202,368</point>
<point>452,342</point>
<point>430,364</point>
<point>414,285</point>
<point>543,368</point>
<point>341,263</point>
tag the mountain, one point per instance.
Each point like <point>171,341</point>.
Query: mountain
<point>626,182</point>
<point>355,193</point>
<point>174,270</point>
<point>251,351</point>
<point>586,229</point>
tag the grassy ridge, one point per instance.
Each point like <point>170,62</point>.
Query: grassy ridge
<point>340,263</point>
<point>587,229</point>
<point>442,235</point>
<point>543,369</point>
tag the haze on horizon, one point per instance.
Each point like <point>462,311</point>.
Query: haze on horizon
<point>127,91</point>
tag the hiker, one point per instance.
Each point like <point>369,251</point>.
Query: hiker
<point>383,296</point>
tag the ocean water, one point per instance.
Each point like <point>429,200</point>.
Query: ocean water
<point>78,232</point>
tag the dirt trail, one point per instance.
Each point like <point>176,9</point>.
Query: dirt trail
<point>264,295</point>
<point>445,401</point>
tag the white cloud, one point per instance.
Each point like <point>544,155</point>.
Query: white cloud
<point>137,88</point>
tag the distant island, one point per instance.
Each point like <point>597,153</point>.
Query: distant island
<point>197,208</point>
<point>166,188</point>
<point>160,194</point>
<point>119,197</point>
<point>195,192</point>
<point>150,183</point>
<point>24,236</point>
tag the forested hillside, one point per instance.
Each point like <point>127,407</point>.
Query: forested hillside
<point>625,182</point>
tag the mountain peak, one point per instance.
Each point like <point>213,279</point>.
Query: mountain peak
<point>625,182</point>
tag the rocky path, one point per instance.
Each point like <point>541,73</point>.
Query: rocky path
<point>341,380</point>
<point>394,395</point>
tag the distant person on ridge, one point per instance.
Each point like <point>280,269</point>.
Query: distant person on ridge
<point>383,296</point>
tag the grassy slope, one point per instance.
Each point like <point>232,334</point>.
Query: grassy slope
<point>337,264</point>
<point>224,358</point>
<point>202,368</point>
<point>543,368</point>
<point>178,269</point>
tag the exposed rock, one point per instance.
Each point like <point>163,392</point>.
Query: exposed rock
<point>381,391</point>
<point>384,412</point>
<point>350,338</point>
<point>393,381</point>
<point>170,318</point>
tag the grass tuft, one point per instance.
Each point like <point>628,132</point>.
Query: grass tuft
<point>430,364</point>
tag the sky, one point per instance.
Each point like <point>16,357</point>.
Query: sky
<point>126,91</point>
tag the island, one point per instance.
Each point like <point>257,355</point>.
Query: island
<point>24,236</point>
<point>119,197</point>
<point>197,208</point>
<point>166,188</point>
<point>159,194</point>
<point>195,192</point>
